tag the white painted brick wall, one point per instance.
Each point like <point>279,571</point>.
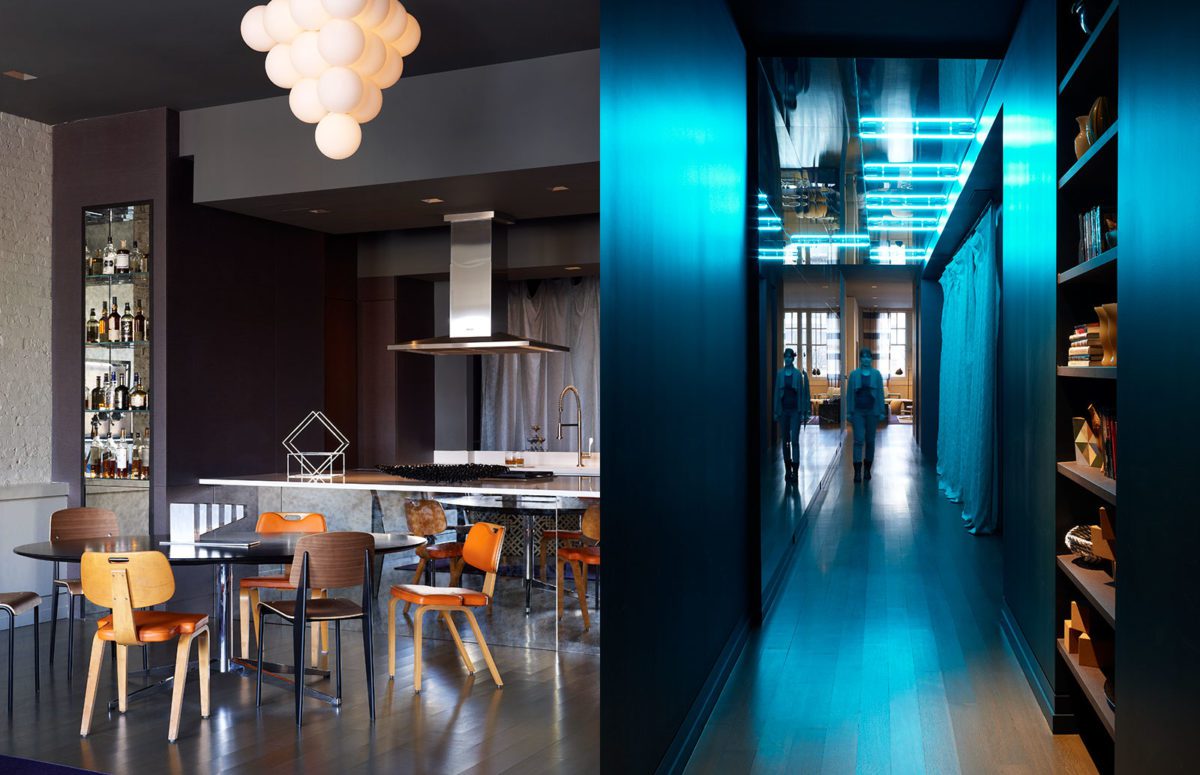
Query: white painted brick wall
<point>26,159</point>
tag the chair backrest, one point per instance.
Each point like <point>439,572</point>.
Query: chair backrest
<point>425,517</point>
<point>335,560</point>
<point>482,550</point>
<point>124,581</point>
<point>290,522</point>
<point>590,524</point>
<point>83,522</point>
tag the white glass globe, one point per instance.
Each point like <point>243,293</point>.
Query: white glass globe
<point>338,135</point>
<point>306,55</point>
<point>254,32</point>
<point>373,56</point>
<point>279,22</point>
<point>309,14</point>
<point>344,9</point>
<point>410,39</point>
<point>393,26</point>
<point>340,89</point>
<point>341,42</point>
<point>374,13</point>
<point>370,104</point>
<point>305,102</point>
<point>279,66</point>
<point>391,71</point>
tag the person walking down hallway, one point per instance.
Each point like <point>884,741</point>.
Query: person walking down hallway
<point>865,391</point>
<point>793,407</point>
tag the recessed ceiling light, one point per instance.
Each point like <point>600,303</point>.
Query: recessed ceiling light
<point>433,200</point>
<point>318,211</point>
<point>573,268</point>
<point>874,286</point>
<point>19,76</point>
<point>559,188</point>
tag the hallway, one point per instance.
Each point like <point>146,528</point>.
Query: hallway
<point>884,652</point>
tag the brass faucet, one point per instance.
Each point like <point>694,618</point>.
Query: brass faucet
<point>578,424</point>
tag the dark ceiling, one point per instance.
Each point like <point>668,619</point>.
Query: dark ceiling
<point>96,59</point>
<point>877,28</point>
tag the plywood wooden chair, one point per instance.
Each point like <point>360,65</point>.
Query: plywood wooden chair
<point>327,561</point>
<point>15,604</point>
<point>580,558</point>
<point>131,580</point>
<point>70,525</point>
<point>249,588</point>
<point>428,518</point>
<point>481,550</point>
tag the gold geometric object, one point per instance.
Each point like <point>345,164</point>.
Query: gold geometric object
<point>1087,446</point>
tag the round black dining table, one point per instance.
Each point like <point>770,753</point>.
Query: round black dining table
<point>271,549</point>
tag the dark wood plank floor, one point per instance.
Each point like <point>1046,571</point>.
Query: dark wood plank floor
<point>884,653</point>
<point>545,720</point>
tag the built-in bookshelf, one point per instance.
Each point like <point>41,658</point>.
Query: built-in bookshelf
<point>1088,368</point>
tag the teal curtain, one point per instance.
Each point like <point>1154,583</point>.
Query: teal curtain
<point>967,401</point>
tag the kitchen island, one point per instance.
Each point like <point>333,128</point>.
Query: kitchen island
<point>366,479</point>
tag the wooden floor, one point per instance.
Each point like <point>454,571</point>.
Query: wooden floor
<point>545,720</point>
<point>884,653</point>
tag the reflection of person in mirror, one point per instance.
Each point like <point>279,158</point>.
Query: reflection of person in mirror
<point>792,409</point>
<point>864,391</point>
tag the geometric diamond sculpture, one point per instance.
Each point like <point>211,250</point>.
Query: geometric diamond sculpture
<point>1087,447</point>
<point>316,466</point>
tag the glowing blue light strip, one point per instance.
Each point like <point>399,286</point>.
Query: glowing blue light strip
<point>899,206</point>
<point>884,197</point>
<point>885,135</point>
<point>909,252</point>
<point>911,178</point>
<point>911,165</point>
<point>901,227</point>
<point>915,120</point>
<point>879,220</point>
<point>831,239</point>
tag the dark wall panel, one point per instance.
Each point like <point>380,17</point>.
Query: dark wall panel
<point>929,372</point>
<point>1158,284</point>
<point>675,289</point>
<point>341,339</point>
<point>1027,83</point>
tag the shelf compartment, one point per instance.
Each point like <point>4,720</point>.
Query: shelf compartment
<point>1095,584</point>
<point>119,345</point>
<point>122,411</point>
<point>1091,682</point>
<point>116,279</point>
<point>1091,480</point>
<point>1104,146</point>
<point>1102,268</point>
<point>1096,35</point>
<point>1088,372</point>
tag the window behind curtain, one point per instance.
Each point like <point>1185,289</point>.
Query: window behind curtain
<point>893,341</point>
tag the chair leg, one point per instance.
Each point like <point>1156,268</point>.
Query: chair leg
<point>12,628</point>
<point>559,578</point>
<point>53,617</point>
<point>122,675</point>
<point>462,650</point>
<point>456,571</point>
<point>258,673</point>
<point>255,614</point>
<point>37,648</point>
<point>487,653</point>
<point>203,650</point>
<point>181,670</point>
<point>244,621</point>
<point>416,579</point>
<point>299,631</point>
<point>315,646</point>
<point>420,616</point>
<point>93,678</point>
<point>580,572</point>
<point>392,603</point>
<point>369,654</point>
<point>337,647</point>
<point>70,638</point>
<point>146,658</point>
<point>542,555</point>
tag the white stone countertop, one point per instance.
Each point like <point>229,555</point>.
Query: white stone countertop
<point>561,486</point>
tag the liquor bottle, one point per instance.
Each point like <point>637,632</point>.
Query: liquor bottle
<point>108,461</point>
<point>102,323</point>
<point>109,258</point>
<point>93,461</point>
<point>135,462</point>
<point>146,454</point>
<point>114,323</point>
<point>121,263</point>
<point>93,327</point>
<point>122,455</point>
<point>138,397</point>
<point>97,396</point>
<point>137,259</point>
<point>121,396</point>
<point>127,325</point>
<point>109,386</point>
<point>139,323</point>
<point>97,266</point>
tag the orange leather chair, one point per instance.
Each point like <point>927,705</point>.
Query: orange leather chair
<point>248,588</point>
<point>580,557</point>
<point>482,551</point>
<point>428,518</point>
<point>124,582</point>
<point>556,538</point>
<point>70,525</point>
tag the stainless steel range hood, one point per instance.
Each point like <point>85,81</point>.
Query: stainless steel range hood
<point>472,253</point>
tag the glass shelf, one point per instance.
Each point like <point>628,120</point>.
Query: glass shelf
<point>121,411</point>
<point>119,345</point>
<point>129,278</point>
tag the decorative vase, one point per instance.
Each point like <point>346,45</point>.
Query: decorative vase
<point>1082,143</point>
<point>1102,315</point>
<point>1110,349</point>
<point>1098,119</point>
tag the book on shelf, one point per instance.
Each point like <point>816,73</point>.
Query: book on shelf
<point>1104,425</point>
<point>1092,233</point>
<point>1083,345</point>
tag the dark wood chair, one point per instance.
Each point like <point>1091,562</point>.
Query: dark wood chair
<point>326,561</point>
<point>581,558</point>
<point>70,525</point>
<point>15,604</point>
